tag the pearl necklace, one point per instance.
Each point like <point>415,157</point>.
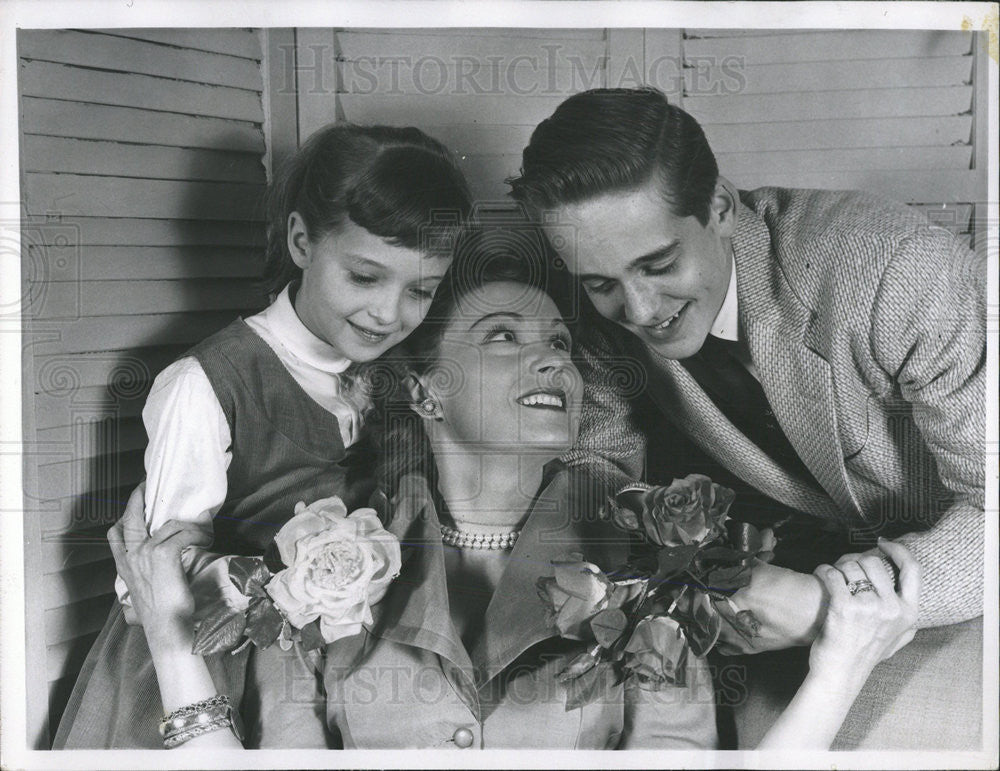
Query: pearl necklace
<point>464,539</point>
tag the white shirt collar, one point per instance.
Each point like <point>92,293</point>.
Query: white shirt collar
<point>283,322</point>
<point>726,324</point>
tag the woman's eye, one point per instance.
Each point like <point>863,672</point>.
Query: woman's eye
<point>500,336</point>
<point>560,343</point>
<point>362,279</point>
<point>422,294</point>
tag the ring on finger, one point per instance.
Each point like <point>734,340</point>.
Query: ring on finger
<point>860,586</point>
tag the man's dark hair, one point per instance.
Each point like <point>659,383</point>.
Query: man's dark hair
<point>616,139</point>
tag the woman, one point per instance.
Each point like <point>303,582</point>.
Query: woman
<point>460,652</point>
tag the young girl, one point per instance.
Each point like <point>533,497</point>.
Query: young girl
<point>268,411</point>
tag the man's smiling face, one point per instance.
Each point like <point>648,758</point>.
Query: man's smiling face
<point>660,276</point>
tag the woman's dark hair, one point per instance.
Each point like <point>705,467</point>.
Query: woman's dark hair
<point>483,256</point>
<point>393,182</point>
<point>616,139</point>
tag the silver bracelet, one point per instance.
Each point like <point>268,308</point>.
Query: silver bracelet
<point>199,718</point>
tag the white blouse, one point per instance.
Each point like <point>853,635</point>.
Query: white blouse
<point>189,448</point>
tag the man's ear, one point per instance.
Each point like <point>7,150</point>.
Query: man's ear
<point>299,245</point>
<point>725,207</point>
<point>422,401</point>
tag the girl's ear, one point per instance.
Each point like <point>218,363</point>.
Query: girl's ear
<point>299,245</point>
<point>421,400</point>
<point>724,207</point>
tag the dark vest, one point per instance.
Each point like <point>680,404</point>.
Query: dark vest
<point>286,448</point>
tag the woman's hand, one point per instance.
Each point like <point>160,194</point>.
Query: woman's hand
<point>861,629</point>
<point>872,623</point>
<point>151,568</point>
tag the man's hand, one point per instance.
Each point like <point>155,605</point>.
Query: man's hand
<point>790,607</point>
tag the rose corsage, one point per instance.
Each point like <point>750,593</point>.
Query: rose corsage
<point>315,584</point>
<point>643,619</point>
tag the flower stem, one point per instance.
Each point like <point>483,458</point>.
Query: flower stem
<point>677,599</point>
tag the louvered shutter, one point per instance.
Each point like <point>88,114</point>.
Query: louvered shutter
<point>891,112</point>
<point>142,178</point>
<point>479,91</point>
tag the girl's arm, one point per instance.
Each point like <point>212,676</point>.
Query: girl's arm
<point>861,630</point>
<point>186,462</point>
<point>164,605</point>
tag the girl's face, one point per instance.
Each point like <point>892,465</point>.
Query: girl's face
<point>504,380</point>
<point>358,293</point>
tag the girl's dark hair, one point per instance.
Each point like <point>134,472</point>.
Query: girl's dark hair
<point>483,256</point>
<point>393,182</point>
<point>616,139</point>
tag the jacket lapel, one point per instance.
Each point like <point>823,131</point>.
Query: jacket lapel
<point>796,378</point>
<point>563,521</point>
<point>415,610</point>
<point>678,395</point>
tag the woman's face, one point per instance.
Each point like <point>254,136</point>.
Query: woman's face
<point>359,293</point>
<point>503,380</point>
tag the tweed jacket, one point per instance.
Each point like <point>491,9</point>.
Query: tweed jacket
<point>867,328</point>
<point>408,681</point>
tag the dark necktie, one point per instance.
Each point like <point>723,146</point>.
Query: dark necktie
<point>740,397</point>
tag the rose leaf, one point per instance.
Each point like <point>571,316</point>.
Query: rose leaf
<point>673,560</point>
<point>263,622</point>
<point>250,575</point>
<point>220,630</point>
<point>590,686</point>
<point>312,637</point>
<point>608,626</point>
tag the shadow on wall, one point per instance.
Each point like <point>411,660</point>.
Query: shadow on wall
<point>96,345</point>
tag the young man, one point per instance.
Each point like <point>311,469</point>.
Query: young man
<point>827,348</point>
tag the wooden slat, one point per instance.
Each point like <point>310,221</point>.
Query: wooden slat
<point>77,84</point>
<point>817,135</point>
<point>690,32</point>
<point>128,231</point>
<point>67,549</point>
<point>65,660</point>
<point>445,110</point>
<point>79,583</point>
<point>76,621</point>
<point>77,518</point>
<point>119,159</point>
<point>826,45</point>
<point>78,195</point>
<point>90,439</point>
<point>62,374</point>
<point>887,158</point>
<point>114,333</point>
<point>167,262</point>
<point>54,117</point>
<point>906,186</point>
<point>482,138</point>
<point>77,477</point>
<point>125,298</point>
<point>123,55</point>
<point>412,47</point>
<point>521,33</point>
<point>836,105</point>
<point>220,40</point>
<point>56,409</point>
<point>832,76</point>
<point>446,77</point>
